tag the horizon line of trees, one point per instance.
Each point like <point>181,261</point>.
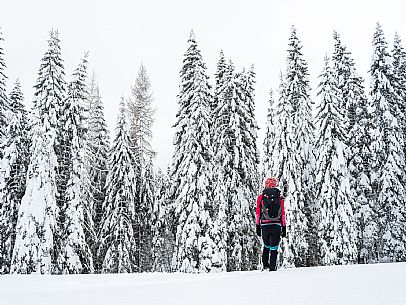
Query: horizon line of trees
<point>72,203</point>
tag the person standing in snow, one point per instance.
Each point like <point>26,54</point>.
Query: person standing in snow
<point>271,221</point>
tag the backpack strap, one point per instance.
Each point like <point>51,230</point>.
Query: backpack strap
<point>261,206</point>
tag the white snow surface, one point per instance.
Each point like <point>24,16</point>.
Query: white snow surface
<point>335,285</point>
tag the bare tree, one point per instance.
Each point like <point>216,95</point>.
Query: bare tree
<point>141,119</point>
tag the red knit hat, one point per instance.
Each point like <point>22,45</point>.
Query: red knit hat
<point>270,182</point>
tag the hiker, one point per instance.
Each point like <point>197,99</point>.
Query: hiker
<point>271,221</point>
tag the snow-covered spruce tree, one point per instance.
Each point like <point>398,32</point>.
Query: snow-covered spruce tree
<point>141,119</point>
<point>13,172</point>
<point>117,245</point>
<point>357,138</point>
<point>64,158</point>
<point>301,195</point>
<point>248,169</point>
<point>3,96</point>
<point>388,166</point>
<point>270,130</point>
<point>399,65</point>
<point>191,167</point>
<point>162,236</point>
<point>97,141</point>
<point>221,139</point>
<point>34,249</point>
<point>359,156</point>
<point>235,182</point>
<point>336,225</point>
<point>75,254</point>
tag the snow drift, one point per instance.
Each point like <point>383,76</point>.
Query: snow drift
<point>336,285</point>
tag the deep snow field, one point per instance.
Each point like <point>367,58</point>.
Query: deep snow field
<point>380,284</point>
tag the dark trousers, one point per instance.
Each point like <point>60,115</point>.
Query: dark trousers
<point>271,235</point>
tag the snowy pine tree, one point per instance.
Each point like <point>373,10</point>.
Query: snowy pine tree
<point>236,173</point>
<point>13,172</point>
<point>37,216</point>
<point>359,156</point>
<point>75,255</point>
<point>117,244</point>
<point>357,138</point>
<point>221,137</point>
<point>336,225</point>
<point>97,140</point>
<point>248,168</point>
<point>388,162</point>
<point>191,167</point>
<point>399,65</point>
<point>298,207</point>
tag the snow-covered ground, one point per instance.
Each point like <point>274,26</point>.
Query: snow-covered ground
<point>381,284</point>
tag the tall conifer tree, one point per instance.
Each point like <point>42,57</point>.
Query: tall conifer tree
<point>117,245</point>
<point>336,226</point>
<point>357,138</point>
<point>247,161</point>
<point>97,140</point>
<point>75,255</point>
<point>301,193</point>
<point>222,136</point>
<point>13,172</point>
<point>34,249</point>
<point>191,167</point>
<point>236,173</point>
<point>388,171</point>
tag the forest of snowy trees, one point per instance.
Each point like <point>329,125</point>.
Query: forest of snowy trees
<point>72,202</point>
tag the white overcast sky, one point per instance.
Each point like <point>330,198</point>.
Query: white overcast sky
<point>120,34</point>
